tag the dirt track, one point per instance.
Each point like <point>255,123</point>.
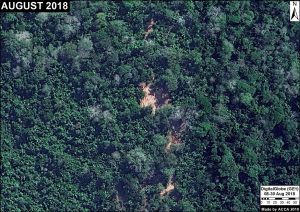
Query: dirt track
<point>172,139</point>
<point>170,187</point>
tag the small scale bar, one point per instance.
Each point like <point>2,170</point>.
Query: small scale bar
<point>279,198</point>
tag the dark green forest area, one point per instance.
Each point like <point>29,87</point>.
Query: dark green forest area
<point>74,136</point>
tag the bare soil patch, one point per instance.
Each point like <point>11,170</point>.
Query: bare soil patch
<point>170,187</point>
<point>149,28</point>
<point>155,98</point>
<point>173,139</point>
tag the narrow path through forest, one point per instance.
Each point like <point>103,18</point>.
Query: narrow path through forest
<point>156,98</point>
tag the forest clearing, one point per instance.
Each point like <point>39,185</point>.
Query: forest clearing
<point>170,187</point>
<point>149,28</point>
<point>153,98</point>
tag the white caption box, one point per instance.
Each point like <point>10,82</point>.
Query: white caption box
<point>279,195</point>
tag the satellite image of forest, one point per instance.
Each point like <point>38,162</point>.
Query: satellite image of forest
<point>149,106</point>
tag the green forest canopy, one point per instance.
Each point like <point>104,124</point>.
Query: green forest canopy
<point>73,134</point>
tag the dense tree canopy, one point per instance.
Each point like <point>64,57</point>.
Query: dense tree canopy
<point>74,137</point>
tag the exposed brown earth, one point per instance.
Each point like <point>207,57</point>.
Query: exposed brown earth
<point>173,139</point>
<point>170,187</point>
<point>149,28</point>
<point>154,99</point>
<point>149,99</point>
